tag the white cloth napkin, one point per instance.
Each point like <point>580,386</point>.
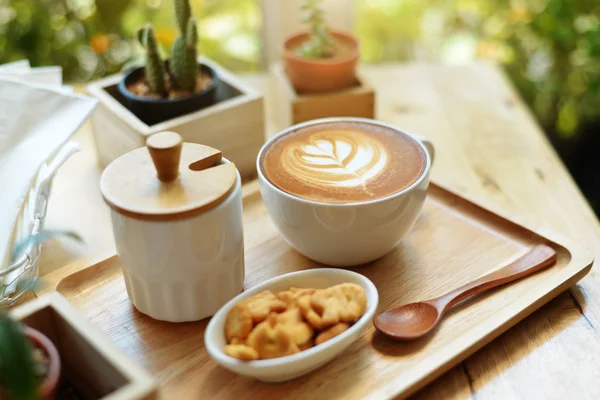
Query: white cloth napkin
<point>36,121</point>
<point>23,71</point>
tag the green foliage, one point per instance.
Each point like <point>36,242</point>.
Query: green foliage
<point>94,38</point>
<point>155,67</point>
<point>17,367</point>
<point>184,65</point>
<point>549,48</point>
<point>86,38</point>
<point>321,43</point>
<point>555,61</point>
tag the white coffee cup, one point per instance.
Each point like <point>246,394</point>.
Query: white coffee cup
<point>345,234</point>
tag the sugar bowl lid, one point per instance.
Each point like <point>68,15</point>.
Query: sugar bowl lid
<point>167,180</point>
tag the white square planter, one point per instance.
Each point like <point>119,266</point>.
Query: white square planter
<point>235,124</point>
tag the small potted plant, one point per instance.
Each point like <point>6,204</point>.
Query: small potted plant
<point>161,90</point>
<point>320,60</point>
<point>29,362</point>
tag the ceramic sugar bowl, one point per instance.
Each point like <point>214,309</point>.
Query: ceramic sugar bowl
<point>177,220</point>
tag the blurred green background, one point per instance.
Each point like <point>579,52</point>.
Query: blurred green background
<point>550,48</point>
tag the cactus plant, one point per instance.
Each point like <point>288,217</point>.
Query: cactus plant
<point>186,85</point>
<point>155,67</point>
<point>320,43</point>
<point>183,64</point>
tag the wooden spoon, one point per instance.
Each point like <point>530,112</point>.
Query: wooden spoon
<point>411,321</point>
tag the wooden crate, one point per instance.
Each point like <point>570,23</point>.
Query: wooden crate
<point>292,108</point>
<point>235,124</point>
<point>91,363</point>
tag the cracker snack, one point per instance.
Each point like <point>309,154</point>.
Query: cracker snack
<point>268,326</point>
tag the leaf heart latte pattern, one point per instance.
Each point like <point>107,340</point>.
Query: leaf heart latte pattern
<point>336,158</point>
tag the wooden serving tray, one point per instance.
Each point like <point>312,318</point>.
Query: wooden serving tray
<point>454,241</point>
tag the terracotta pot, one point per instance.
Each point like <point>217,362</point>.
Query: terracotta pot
<point>154,111</point>
<point>314,75</point>
<point>47,389</point>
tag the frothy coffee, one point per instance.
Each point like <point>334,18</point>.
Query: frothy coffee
<point>340,162</point>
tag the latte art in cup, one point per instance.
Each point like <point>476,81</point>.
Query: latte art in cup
<point>335,158</point>
<point>343,162</point>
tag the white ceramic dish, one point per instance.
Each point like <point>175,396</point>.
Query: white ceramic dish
<point>289,367</point>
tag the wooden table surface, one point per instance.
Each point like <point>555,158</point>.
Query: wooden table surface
<point>488,148</point>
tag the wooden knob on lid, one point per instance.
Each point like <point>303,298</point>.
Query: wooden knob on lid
<point>165,151</point>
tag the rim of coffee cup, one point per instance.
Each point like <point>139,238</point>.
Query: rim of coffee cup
<point>319,121</point>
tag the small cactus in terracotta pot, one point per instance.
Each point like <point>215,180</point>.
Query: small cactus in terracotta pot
<point>320,60</point>
<point>163,90</point>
